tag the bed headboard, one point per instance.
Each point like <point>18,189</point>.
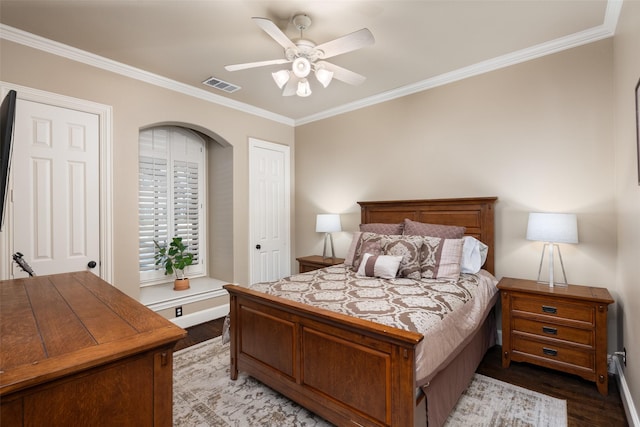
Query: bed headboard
<point>476,214</point>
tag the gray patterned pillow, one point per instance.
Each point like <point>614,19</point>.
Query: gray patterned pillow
<point>367,243</point>
<point>409,248</point>
<point>440,258</point>
<point>414,228</point>
<point>380,228</point>
<point>351,252</point>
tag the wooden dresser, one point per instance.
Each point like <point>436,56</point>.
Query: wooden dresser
<point>314,262</point>
<point>74,350</point>
<point>563,328</point>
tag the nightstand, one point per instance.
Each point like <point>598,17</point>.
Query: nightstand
<point>314,262</point>
<point>563,328</point>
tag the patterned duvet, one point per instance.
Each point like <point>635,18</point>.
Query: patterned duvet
<point>445,311</point>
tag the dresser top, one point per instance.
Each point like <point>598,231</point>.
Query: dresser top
<point>577,292</point>
<point>55,325</point>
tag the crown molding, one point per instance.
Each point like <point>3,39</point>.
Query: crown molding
<point>607,29</point>
<point>31,40</point>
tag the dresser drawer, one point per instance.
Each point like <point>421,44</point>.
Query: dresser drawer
<point>550,330</point>
<point>572,356</point>
<point>560,309</point>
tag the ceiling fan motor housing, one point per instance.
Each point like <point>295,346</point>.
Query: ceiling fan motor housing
<point>301,22</point>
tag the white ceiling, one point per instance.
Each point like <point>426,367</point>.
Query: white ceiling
<point>419,44</point>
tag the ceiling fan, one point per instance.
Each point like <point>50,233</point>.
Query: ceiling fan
<point>305,56</point>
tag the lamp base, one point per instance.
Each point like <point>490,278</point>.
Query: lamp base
<point>328,236</point>
<point>551,282</point>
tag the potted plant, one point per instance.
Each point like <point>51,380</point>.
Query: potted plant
<point>174,259</point>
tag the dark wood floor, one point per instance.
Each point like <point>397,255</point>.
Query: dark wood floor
<point>585,406</point>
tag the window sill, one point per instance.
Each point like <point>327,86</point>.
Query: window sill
<point>161,297</point>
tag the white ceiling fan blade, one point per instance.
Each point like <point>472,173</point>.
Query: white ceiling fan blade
<point>276,33</point>
<point>291,87</point>
<point>236,67</point>
<point>342,74</point>
<point>348,43</point>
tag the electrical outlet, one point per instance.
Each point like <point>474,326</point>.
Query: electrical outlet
<point>178,311</point>
<point>624,356</point>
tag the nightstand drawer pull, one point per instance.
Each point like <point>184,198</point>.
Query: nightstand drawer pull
<point>549,309</point>
<point>549,330</point>
<point>549,351</point>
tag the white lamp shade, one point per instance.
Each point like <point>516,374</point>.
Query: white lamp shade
<point>281,77</point>
<point>327,223</point>
<point>552,227</point>
<point>304,89</point>
<point>324,76</point>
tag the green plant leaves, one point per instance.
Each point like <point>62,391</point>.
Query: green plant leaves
<point>175,258</point>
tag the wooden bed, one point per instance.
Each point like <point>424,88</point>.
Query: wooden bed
<point>315,357</point>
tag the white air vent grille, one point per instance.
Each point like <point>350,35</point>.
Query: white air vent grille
<point>221,84</point>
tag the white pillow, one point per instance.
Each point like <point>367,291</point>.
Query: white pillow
<point>383,266</point>
<point>474,255</point>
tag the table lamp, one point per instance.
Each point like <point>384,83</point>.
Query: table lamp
<point>552,228</point>
<point>328,223</point>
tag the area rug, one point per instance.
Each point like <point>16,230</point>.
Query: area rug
<point>204,395</point>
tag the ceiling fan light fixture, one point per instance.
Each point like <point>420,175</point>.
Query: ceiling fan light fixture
<point>301,67</point>
<point>324,76</point>
<point>281,77</point>
<point>304,88</point>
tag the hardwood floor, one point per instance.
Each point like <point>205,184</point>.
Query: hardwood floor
<point>585,406</point>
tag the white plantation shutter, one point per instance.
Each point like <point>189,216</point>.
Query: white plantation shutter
<point>171,197</point>
<point>153,204</point>
<point>186,204</point>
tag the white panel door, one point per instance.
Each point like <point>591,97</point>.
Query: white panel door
<point>269,211</point>
<point>55,168</point>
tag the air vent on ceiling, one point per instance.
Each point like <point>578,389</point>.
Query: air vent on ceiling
<point>221,84</point>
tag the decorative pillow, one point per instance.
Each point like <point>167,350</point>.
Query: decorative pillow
<point>408,247</point>
<point>474,255</point>
<point>384,266</point>
<point>414,228</point>
<point>440,258</point>
<point>380,228</point>
<point>348,260</point>
<point>367,243</point>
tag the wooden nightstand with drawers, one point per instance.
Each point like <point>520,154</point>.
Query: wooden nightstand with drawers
<point>314,262</point>
<point>563,328</point>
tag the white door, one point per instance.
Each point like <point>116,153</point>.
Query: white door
<point>55,168</point>
<point>269,211</point>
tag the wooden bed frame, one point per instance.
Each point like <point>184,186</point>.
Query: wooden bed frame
<point>347,370</point>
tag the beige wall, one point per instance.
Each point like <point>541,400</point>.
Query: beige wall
<point>627,73</point>
<point>137,105</point>
<point>537,135</point>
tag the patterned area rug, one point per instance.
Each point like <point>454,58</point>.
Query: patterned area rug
<point>204,395</point>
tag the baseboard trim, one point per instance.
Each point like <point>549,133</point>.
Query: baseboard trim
<point>201,316</point>
<point>625,395</point>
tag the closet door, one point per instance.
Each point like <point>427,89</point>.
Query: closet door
<point>269,211</point>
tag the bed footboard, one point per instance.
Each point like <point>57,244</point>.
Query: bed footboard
<point>348,371</point>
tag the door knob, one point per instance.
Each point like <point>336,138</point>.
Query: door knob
<point>92,264</point>
<point>258,246</point>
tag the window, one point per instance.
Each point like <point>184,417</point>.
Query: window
<point>171,197</point>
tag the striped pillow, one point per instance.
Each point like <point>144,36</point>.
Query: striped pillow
<point>440,258</point>
<point>383,266</point>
